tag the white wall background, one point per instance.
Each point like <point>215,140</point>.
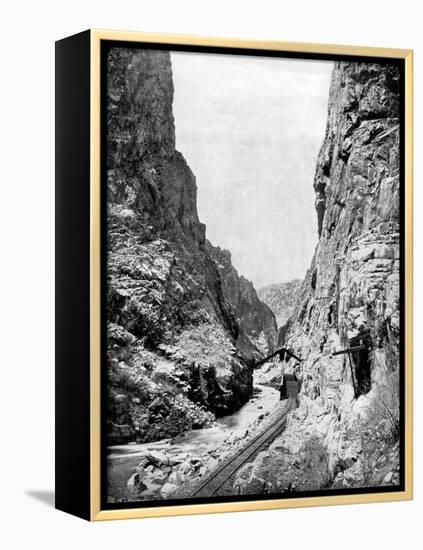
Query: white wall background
<point>26,307</point>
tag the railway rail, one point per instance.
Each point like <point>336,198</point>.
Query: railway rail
<point>220,476</point>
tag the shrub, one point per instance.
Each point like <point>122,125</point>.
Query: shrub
<point>380,430</point>
<point>314,460</point>
<point>383,416</point>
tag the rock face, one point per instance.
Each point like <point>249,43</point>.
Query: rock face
<point>350,296</point>
<point>281,299</point>
<point>259,329</point>
<point>181,342</point>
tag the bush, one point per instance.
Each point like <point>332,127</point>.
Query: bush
<point>380,430</point>
<point>314,460</point>
<point>383,416</point>
<point>392,351</point>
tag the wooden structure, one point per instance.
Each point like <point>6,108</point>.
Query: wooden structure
<point>282,352</point>
<point>359,360</point>
<point>289,387</point>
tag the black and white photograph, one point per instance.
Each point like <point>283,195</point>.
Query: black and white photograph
<point>252,275</point>
<point>211,275</point>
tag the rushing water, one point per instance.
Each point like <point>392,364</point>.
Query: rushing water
<point>123,459</point>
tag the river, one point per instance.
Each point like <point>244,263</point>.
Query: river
<point>122,460</point>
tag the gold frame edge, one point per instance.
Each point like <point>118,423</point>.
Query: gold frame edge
<point>96,514</point>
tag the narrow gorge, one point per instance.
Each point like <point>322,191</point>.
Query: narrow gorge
<point>187,335</point>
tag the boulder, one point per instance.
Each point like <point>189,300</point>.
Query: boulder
<point>167,489</point>
<point>156,458</point>
<point>388,478</point>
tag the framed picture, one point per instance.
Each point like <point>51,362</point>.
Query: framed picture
<point>234,275</point>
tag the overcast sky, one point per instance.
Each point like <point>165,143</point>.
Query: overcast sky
<point>250,129</point>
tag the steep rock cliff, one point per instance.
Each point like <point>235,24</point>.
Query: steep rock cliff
<point>349,411</point>
<point>259,331</point>
<point>281,299</point>
<point>179,347</point>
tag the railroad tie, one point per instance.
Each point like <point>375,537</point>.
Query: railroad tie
<point>222,474</point>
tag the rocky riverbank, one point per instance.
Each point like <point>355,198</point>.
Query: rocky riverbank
<point>168,468</point>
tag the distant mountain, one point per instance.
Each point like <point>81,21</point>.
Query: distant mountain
<point>281,298</point>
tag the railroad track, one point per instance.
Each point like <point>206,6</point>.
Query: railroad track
<point>221,475</point>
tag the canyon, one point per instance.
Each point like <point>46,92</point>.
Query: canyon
<point>185,330</point>
<point>282,299</point>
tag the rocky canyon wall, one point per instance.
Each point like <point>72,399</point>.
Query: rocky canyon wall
<point>257,320</point>
<point>349,298</point>
<point>183,328</point>
<point>281,298</point>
